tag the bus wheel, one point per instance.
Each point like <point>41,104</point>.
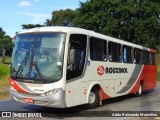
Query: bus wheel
<point>140,90</point>
<point>94,99</point>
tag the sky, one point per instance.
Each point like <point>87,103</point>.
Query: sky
<point>14,13</point>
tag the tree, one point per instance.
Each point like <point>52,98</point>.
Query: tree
<point>136,21</point>
<point>4,40</point>
<point>29,26</point>
<point>61,18</point>
<point>2,33</point>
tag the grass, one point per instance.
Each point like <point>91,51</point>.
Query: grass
<point>158,74</point>
<point>4,79</point>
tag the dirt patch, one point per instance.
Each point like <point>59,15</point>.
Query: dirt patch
<point>4,93</point>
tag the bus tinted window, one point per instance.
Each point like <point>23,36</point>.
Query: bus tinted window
<point>137,56</point>
<point>146,56</point>
<point>152,58</point>
<point>76,55</point>
<point>127,54</point>
<point>114,52</point>
<point>98,49</point>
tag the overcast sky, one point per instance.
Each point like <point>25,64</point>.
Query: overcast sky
<point>14,13</point>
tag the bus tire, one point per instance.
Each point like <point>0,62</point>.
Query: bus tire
<point>94,99</point>
<point>140,90</point>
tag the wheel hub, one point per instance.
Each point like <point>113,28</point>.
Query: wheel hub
<point>140,89</point>
<point>92,98</point>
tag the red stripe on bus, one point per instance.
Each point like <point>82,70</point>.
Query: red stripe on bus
<point>148,76</point>
<point>104,95</point>
<point>16,86</point>
<point>152,50</point>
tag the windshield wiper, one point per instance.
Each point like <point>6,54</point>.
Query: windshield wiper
<point>38,71</point>
<point>24,61</point>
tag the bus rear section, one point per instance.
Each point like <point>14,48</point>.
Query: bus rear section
<point>148,75</point>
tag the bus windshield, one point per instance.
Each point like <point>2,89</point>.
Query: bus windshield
<point>38,57</point>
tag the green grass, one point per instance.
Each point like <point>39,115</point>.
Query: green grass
<point>4,80</point>
<point>158,74</point>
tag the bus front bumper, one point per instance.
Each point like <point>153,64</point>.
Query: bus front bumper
<point>56,100</point>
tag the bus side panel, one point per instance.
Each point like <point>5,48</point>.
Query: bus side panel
<point>73,93</point>
<point>148,76</point>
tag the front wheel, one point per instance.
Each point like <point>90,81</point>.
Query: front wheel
<point>140,90</point>
<point>93,99</point>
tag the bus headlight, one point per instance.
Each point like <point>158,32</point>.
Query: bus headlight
<point>13,89</point>
<point>51,92</point>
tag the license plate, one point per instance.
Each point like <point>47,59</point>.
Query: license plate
<point>28,100</point>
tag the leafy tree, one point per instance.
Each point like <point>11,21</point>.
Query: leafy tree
<point>29,26</point>
<point>4,40</point>
<point>61,18</point>
<point>2,33</point>
<point>136,21</point>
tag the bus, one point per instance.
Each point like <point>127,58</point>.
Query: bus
<point>66,66</point>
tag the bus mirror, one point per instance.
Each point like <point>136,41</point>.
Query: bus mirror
<point>3,55</point>
<point>5,59</point>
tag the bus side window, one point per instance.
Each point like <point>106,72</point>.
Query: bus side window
<point>152,59</point>
<point>146,57</point>
<point>137,56</point>
<point>114,52</point>
<point>127,54</point>
<point>76,55</point>
<point>98,49</point>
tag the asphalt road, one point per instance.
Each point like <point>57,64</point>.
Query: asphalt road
<point>150,101</point>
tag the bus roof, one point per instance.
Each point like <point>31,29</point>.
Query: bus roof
<point>74,30</point>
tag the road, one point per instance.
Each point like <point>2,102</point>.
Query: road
<point>150,101</point>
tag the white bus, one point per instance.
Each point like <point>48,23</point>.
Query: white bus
<point>66,66</point>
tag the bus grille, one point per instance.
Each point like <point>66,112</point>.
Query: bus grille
<point>29,94</point>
